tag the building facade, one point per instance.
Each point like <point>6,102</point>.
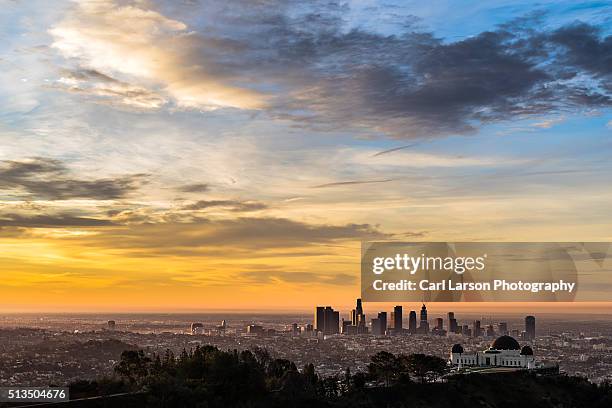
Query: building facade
<point>504,352</point>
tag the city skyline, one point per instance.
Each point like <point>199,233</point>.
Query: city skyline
<point>191,156</point>
<point>328,321</point>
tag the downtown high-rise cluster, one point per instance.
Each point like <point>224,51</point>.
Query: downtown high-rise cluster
<point>327,322</point>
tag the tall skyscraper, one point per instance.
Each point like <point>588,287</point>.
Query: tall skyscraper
<point>397,319</point>
<point>452,322</point>
<point>502,328</point>
<point>319,319</point>
<point>412,322</point>
<point>382,317</point>
<point>358,318</point>
<point>424,324</point>
<point>530,328</point>
<point>331,321</point>
<point>335,324</point>
<point>327,321</point>
<point>423,313</point>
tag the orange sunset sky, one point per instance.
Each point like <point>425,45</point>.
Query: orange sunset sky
<point>187,156</point>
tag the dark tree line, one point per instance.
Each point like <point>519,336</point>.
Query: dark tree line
<point>209,377</point>
<point>389,368</point>
<point>207,372</point>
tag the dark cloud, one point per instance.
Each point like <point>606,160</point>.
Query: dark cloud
<point>241,233</point>
<point>50,221</point>
<point>350,183</point>
<point>50,179</point>
<point>411,84</point>
<point>584,49</point>
<point>301,61</point>
<point>232,205</point>
<point>194,188</point>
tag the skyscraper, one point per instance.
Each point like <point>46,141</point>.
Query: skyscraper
<point>382,318</point>
<point>376,327</point>
<point>335,323</point>
<point>452,322</point>
<point>358,318</point>
<point>502,328</point>
<point>412,323</point>
<point>319,319</point>
<point>530,328</point>
<point>397,319</point>
<point>423,313</point>
<point>359,308</point>
<point>424,324</point>
<point>327,321</point>
<point>331,321</point>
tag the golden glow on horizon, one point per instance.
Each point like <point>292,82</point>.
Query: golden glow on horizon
<point>50,275</point>
<point>150,165</point>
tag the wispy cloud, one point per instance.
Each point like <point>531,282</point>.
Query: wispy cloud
<point>50,221</point>
<point>147,46</point>
<point>50,179</point>
<point>351,183</point>
<point>194,188</point>
<point>232,205</point>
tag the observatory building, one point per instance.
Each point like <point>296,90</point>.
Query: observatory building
<point>505,351</point>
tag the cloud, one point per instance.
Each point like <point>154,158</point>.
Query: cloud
<point>585,48</point>
<point>272,276</point>
<point>549,123</point>
<point>49,179</point>
<point>201,234</point>
<point>148,47</point>
<point>302,62</point>
<point>232,205</point>
<point>50,221</point>
<point>110,90</point>
<point>350,183</point>
<point>194,188</point>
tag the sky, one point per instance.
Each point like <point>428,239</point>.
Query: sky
<point>204,155</point>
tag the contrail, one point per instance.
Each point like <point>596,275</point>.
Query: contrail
<point>348,183</point>
<point>395,149</point>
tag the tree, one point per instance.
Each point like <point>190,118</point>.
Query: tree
<point>424,367</point>
<point>346,384</point>
<point>134,365</point>
<point>384,366</point>
<point>359,381</point>
<point>278,367</point>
